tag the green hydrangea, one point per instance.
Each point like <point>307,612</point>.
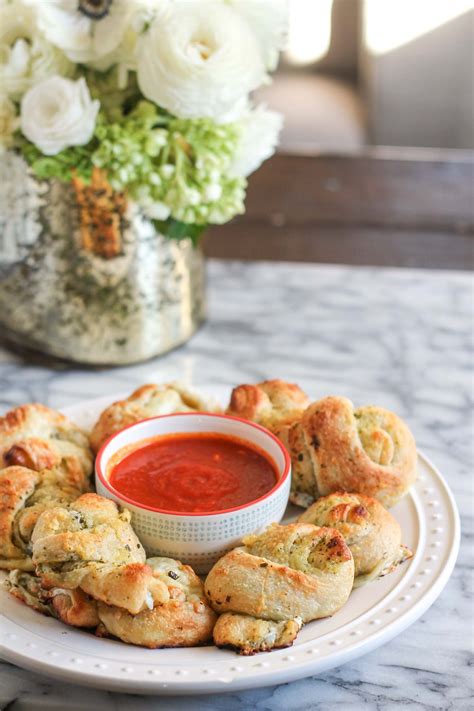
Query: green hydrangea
<point>177,169</point>
<point>181,164</point>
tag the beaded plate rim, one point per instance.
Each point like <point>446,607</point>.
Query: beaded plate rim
<point>39,644</point>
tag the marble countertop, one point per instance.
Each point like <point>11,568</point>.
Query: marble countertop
<point>399,338</point>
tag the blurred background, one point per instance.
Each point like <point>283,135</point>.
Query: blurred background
<point>381,92</point>
<point>376,72</point>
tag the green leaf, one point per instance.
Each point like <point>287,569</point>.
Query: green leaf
<point>175,229</point>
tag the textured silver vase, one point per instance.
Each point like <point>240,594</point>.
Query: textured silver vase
<point>61,298</point>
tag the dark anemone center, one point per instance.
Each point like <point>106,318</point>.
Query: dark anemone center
<point>95,9</point>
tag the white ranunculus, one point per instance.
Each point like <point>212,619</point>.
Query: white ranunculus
<point>269,21</point>
<point>81,37</point>
<point>25,56</point>
<point>260,129</point>
<point>236,112</point>
<point>58,113</point>
<point>198,59</point>
<point>9,122</point>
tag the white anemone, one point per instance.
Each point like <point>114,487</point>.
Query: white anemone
<point>81,37</point>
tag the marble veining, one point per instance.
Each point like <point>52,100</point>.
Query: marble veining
<point>398,338</point>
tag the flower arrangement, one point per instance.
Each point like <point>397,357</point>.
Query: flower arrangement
<point>150,95</point>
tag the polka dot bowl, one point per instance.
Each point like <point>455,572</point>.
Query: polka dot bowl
<point>197,539</point>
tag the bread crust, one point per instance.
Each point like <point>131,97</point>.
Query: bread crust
<point>335,447</point>
<point>37,437</point>
<point>24,495</point>
<point>26,587</point>
<point>75,608</point>
<point>131,587</point>
<point>185,619</point>
<point>88,536</point>
<point>287,572</point>
<point>177,613</point>
<point>274,404</point>
<point>249,635</point>
<point>148,400</point>
<point>17,484</point>
<point>175,624</point>
<point>373,535</point>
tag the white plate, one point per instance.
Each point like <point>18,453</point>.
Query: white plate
<point>373,615</point>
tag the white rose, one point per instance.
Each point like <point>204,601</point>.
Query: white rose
<point>25,56</point>
<point>58,113</point>
<point>71,25</point>
<point>198,59</point>
<point>268,19</point>
<point>260,129</point>
<point>9,122</point>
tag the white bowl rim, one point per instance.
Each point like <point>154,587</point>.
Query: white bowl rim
<point>100,470</point>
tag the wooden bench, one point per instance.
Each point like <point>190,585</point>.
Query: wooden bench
<point>387,206</point>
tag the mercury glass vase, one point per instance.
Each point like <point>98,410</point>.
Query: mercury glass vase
<point>85,276</point>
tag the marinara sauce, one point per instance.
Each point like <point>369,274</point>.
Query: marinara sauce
<point>194,473</point>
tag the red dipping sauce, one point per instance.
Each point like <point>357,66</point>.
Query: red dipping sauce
<point>194,473</point>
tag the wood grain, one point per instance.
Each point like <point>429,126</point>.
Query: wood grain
<point>415,210</point>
